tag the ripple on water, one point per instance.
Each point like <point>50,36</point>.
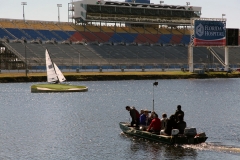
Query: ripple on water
<point>85,125</point>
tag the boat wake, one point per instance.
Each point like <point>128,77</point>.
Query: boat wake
<point>214,147</point>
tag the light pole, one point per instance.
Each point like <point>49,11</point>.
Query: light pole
<point>59,5</point>
<point>137,59</point>
<point>187,3</point>
<point>23,4</point>
<point>223,16</point>
<point>26,61</point>
<point>161,2</point>
<point>79,60</point>
<point>154,84</point>
<point>109,57</point>
<point>164,58</point>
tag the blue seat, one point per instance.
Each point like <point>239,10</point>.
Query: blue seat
<point>116,38</point>
<point>33,34</point>
<point>186,39</point>
<point>165,38</point>
<point>129,38</point>
<point>62,34</point>
<point>49,35</point>
<point>3,33</point>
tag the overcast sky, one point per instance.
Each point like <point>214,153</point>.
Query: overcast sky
<point>47,10</point>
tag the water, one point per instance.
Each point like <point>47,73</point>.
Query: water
<point>85,125</point>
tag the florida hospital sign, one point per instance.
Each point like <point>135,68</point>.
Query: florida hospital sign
<point>209,33</point>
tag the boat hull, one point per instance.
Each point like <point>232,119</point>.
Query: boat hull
<point>160,138</point>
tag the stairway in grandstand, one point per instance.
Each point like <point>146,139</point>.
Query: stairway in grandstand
<point>91,45</point>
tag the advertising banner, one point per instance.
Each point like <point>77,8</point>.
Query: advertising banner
<point>209,33</point>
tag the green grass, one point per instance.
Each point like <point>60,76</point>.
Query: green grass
<point>56,86</point>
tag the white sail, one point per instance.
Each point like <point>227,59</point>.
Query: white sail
<point>53,72</point>
<point>61,77</point>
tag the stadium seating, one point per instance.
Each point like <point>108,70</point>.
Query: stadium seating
<point>51,26</point>
<point>16,32</point>
<point>165,38</point>
<point>48,35</point>
<point>66,27</point>
<point>36,25</point>
<point>3,33</point>
<point>90,37</point>
<point>176,39</point>
<point>7,24</point>
<point>107,46</point>
<point>164,31</point>
<point>106,29</point>
<point>32,33</point>
<point>92,29</point>
<point>22,25</point>
<point>138,30</point>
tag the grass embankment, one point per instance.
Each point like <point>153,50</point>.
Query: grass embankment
<point>127,75</point>
<point>56,86</point>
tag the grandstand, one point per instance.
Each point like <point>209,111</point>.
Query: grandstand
<point>120,42</point>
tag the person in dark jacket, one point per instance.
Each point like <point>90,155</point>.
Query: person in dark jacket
<point>134,115</point>
<point>171,124</point>
<point>181,124</point>
<point>179,111</point>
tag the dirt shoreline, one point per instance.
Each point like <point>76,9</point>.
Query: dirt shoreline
<point>106,76</point>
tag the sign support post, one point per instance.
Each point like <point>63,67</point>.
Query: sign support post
<point>226,58</point>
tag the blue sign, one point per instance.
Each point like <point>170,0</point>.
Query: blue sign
<point>209,33</point>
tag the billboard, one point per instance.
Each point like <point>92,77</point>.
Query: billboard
<point>209,33</point>
<point>232,36</point>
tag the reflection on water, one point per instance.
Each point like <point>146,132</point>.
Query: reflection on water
<point>85,125</point>
<point>151,150</point>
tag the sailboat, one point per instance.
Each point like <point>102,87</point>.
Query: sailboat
<point>54,75</point>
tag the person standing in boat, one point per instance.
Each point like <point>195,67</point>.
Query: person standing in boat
<point>155,125</point>
<point>179,111</point>
<point>181,124</point>
<point>134,115</point>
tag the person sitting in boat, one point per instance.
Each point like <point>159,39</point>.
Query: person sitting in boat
<point>134,115</point>
<point>171,124</point>
<point>155,125</point>
<point>178,111</point>
<point>143,118</point>
<point>151,117</point>
<point>181,124</point>
<point>164,121</point>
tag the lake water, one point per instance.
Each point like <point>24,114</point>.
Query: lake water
<point>81,126</point>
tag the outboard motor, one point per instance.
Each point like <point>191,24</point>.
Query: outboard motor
<point>174,132</point>
<point>190,133</point>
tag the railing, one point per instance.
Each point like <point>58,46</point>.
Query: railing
<point>216,55</point>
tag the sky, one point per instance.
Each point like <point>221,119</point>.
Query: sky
<point>47,10</point>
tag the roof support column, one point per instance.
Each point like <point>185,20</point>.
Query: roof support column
<point>226,58</point>
<point>190,58</point>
